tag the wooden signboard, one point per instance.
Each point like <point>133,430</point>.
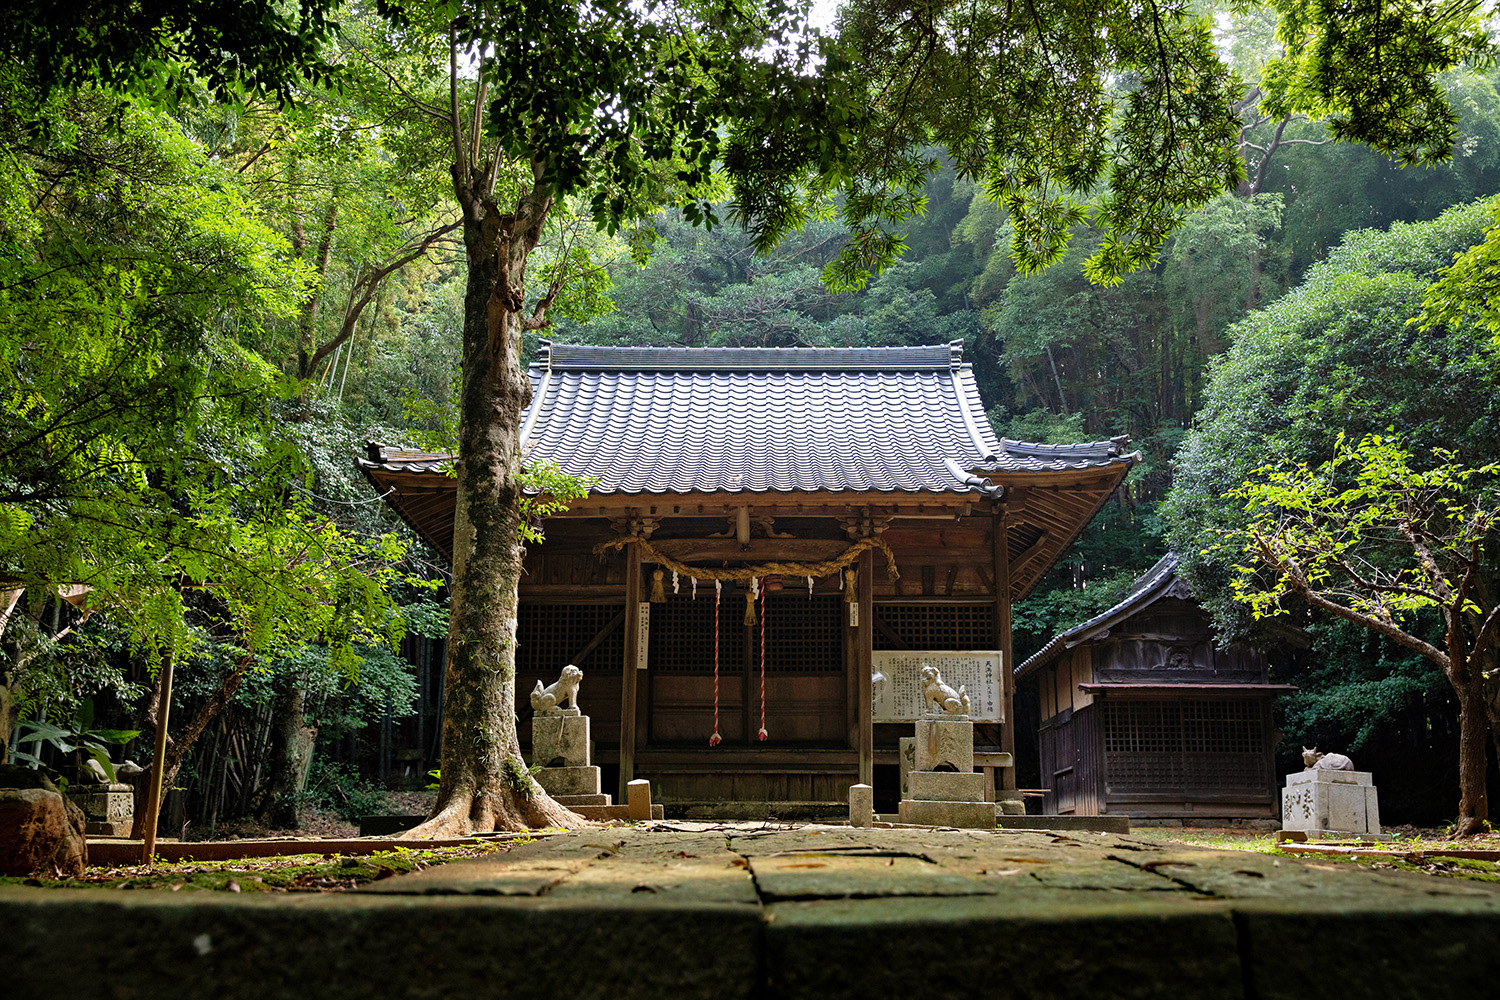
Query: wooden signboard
<point>898,697</point>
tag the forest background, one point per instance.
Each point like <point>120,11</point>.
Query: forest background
<point>306,239</point>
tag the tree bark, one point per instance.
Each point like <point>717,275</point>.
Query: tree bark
<point>292,742</point>
<point>1473,730</point>
<point>484,783</point>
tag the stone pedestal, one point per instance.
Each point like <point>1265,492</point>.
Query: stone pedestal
<point>941,788</point>
<point>560,743</point>
<point>108,809</point>
<point>1330,803</point>
<point>944,743</point>
<point>561,740</point>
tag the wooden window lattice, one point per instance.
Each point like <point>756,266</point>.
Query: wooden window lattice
<point>682,633</point>
<point>547,634</point>
<point>1176,746</point>
<point>802,636</point>
<point>934,626</point>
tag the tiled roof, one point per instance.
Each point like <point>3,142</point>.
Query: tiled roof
<point>1156,582</point>
<point>765,420</point>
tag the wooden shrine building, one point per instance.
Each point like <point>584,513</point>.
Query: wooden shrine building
<point>1143,716</point>
<point>858,511</point>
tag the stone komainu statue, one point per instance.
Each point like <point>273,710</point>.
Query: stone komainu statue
<point>1315,761</point>
<point>936,694</point>
<point>549,700</point>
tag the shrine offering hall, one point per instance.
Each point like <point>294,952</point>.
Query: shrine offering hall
<point>775,541</point>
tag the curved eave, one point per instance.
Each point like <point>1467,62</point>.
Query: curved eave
<point>424,498</point>
<point>1049,509</point>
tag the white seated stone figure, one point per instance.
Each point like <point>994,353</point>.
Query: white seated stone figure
<point>549,700</point>
<point>1315,761</point>
<point>940,699</point>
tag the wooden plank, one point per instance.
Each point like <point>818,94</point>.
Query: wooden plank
<point>863,660</point>
<point>760,550</point>
<point>568,593</point>
<point>628,679</point>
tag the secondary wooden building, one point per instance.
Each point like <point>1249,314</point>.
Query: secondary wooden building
<point>856,499</point>
<point>1143,715</point>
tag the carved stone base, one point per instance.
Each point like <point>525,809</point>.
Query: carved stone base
<point>569,780</point>
<point>945,786</point>
<point>1330,801</point>
<point>943,744</point>
<point>108,809</point>
<point>560,740</point>
<point>964,815</point>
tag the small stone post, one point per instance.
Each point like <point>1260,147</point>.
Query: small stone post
<point>861,805</point>
<point>639,794</point>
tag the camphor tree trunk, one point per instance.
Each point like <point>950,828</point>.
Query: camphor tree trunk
<point>484,783</point>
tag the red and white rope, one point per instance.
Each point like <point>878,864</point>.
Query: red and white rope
<point>763,734</point>
<point>716,739</point>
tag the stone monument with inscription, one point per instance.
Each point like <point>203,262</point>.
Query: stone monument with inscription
<point>562,752</point>
<point>1330,799</point>
<point>942,788</point>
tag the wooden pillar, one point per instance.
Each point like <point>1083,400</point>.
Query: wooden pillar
<point>863,661</point>
<point>629,671</point>
<point>1001,534</point>
<point>158,762</point>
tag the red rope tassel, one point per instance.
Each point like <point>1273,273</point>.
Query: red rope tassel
<point>763,734</point>
<point>716,739</point>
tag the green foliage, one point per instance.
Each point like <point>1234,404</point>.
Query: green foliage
<point>78,734</point>
<point>340,788</point>
<point>1366,529</point>
<point>336,700</point>
<point>1368,69</point>
<point>166,50</point>
<point>143,452</point>
<point>1337,355</point>
<point>1464,293</point>
<point>549,491</point>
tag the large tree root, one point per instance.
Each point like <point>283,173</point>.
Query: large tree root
<point>464,814</point>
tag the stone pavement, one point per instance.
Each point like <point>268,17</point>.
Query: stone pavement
<point>728,911</point>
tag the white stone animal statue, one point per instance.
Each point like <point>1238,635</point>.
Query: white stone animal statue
<point>549,700</point>
<point>1312,760</point>
<point>939,696</point>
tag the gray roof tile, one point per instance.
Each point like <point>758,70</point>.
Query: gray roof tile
<point>655,420</point>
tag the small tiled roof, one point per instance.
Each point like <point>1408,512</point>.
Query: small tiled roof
<point>648,420</point>
<point>1157,582</point>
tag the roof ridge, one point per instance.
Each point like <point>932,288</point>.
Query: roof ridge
<point>927,357</point>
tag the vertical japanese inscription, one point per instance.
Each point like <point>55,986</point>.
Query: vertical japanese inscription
<point>643,612</point>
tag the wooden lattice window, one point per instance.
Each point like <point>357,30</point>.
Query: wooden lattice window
<point>547,635</point>
<point>934,626</point>
<point>803,636</point>
<point>682,634</point>
<point>1185,746</point>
